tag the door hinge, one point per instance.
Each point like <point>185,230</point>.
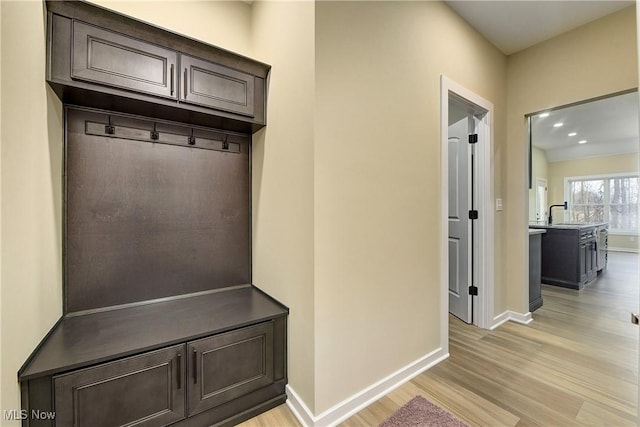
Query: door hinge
<point>473,214</point>
<point>473,290</point>
<point>473,138</point>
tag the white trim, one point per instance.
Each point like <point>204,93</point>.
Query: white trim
<point>624,233</point>
<point>299,408</point>
<point>484,312</point>
<point>524,319</point>
<point>630,250</point>
<point>444,214</point>
<point>355,403</point>
<point>602,176</point>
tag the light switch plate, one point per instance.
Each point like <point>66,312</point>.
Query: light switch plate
<point>498,204</point>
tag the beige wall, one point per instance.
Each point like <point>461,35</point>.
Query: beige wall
<point>377,181</point>
<point>31,194</point>
<point>624,242</point>
<point>222,23</point>
<point>539,171</point>
<point>1,365</point>
<point>283,169</point>
<point>596,59</point>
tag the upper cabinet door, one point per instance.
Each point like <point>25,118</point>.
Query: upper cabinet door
<point>212,85</point>
<point>112,59</point>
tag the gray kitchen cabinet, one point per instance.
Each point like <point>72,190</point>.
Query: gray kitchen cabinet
<point>588,261</point>
<point>535,270</point>
<point>145,390</point>
<point>569,255</point>
<point>112,59</point>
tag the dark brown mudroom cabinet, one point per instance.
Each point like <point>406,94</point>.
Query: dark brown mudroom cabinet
<point>161,322</point>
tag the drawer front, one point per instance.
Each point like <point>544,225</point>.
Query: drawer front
<point>108,58</point>
<point>145,390</point>
<point>229,365</point>
<point>211,85</point>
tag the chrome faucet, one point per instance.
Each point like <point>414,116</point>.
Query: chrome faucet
<point>564,205</point>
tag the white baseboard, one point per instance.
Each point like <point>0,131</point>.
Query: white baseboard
<point>511,315</point>
<point>298,407</point>
<point>354,404</point>
<point>632,250</point>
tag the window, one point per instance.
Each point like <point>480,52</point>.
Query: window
<point>612,199</point>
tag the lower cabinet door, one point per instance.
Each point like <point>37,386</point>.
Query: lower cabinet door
<point>229,365</point>
<point>145,390</point>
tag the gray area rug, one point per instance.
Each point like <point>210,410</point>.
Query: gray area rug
<point>420,412</point>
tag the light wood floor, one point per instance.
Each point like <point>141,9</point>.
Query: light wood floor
<point>575,364</point>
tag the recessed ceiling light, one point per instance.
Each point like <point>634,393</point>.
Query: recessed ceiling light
<point>544,115</point>
<point>582,141</point>
<point>557,125</point>
<point>572,134</point>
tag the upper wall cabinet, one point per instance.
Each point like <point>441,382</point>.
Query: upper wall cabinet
<point>101,59</point>
<point>104,57</point>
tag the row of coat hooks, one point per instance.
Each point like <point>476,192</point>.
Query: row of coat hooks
<point>110,129</point>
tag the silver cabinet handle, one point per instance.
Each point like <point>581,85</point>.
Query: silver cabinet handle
<point>179,361</point>
<point>185,83</point>
<point>195,364</point>
<point>172,78</point>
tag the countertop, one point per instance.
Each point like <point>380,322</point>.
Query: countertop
<point>84,340</point>
<point>533,231</point>
<point>568,226</point>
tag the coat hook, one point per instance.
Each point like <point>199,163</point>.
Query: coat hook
<point>225,144</point>
<point>192,139</point>
<point>154,133</point>
<point>109,129</point>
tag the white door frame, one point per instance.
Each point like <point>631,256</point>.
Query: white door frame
<point>483,306</point>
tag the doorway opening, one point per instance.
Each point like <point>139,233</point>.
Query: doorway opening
<point>467,215</point>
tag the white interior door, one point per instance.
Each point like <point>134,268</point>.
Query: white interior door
<point>459,269</point>
<point>460,252</point>
<point>541,201</point>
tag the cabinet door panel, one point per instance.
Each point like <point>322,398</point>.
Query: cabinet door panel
<point>583,263</point>
<point>211,85</point>
<point>144,390</point>
<point>229,365</point>
<point>112,59</point>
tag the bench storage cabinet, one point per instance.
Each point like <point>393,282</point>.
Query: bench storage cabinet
<point>199,360</point>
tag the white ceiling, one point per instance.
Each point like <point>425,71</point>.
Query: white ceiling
<point>610,126</point>
<point>515,25</point>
